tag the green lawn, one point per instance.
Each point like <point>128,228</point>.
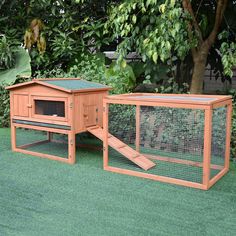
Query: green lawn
<point>43,197</point>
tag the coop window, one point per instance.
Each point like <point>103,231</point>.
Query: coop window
<point>50,108</point>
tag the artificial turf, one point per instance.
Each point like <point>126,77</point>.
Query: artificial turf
<point>44,197</point>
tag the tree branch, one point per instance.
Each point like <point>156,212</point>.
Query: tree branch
<point>221,5</point>
<point>188,7</point>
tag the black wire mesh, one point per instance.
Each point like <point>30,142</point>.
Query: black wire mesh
<point>173,137</point>
<point>58,146</point>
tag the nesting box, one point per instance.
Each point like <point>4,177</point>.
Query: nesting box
<point>65,106</point>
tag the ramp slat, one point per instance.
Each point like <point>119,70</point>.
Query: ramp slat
<point>123,148</point>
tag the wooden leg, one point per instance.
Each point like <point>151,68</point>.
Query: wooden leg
<point>50,136</point>
<point>71,147</point>
<point>207,147</point>
<point>13,137</point>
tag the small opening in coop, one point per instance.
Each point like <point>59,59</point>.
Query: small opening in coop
<point>50,108</point>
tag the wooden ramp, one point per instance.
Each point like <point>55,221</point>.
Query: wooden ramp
<point>122,148</point>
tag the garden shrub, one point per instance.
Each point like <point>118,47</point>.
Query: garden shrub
<point>4,107</point>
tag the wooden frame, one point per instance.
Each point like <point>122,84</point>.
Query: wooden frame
<point>51,99</point>
<point>218,101</point>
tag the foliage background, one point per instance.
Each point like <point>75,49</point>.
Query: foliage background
<point>66,38</point>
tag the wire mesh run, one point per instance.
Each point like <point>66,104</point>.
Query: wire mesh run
<point>171,138</point>
<point>218,142</point>
<point>42,142</point>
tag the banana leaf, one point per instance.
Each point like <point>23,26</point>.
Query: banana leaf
<point>22,68</point>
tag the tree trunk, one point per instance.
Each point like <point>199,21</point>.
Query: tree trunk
<point>199,61</point>
<point>198,77</point>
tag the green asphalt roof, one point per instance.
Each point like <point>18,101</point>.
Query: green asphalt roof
<point>75,84</point>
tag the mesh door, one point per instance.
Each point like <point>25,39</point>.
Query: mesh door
<point>170,137</point>
<point>39,141</point>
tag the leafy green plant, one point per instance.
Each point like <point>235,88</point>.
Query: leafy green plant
<point>7,53</point>
<point>4,107</point>
<point>89,67</point>
<point>120,78</point>
<point>21,68</point>
<point>170,86</point>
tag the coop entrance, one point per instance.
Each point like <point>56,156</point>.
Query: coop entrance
<point>90,115</point>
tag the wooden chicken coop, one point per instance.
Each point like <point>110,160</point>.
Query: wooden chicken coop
<point>179,139</point>
<point>64,106</point>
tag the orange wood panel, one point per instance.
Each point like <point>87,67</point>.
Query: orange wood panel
<point>20,104</point>
<point>228,134</point>
<point>88,110</point>
<point>181,161</point>
<point>153,103</point>
<point>217,177</point>
<point>43,155</point>
<point>59,131</point>
<point>207,147</point>
<point>222,103</point>
<point>156,177</point>
<point>132,97</point>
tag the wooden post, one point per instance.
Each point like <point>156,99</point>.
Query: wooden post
<point>13,137</point>
<point>71,135</point>
<point>71,147</point>
<point>207,147</point>
<point>13,128</point>
<point>50,136</point>
<point>105,134</point>
<point>137,139</point>
<point>228,135</point>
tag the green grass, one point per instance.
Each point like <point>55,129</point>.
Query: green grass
<point>43,197</point>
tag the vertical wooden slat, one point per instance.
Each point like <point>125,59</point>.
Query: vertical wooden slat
<point>50,136</point>
<point>13,128</point>
<point>71,135</point>
<point>207,147</point>
<point>137,140</point>
<point>228,135</point>
<point>105,134</point>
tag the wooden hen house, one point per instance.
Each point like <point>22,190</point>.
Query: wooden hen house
<point>64,106</point>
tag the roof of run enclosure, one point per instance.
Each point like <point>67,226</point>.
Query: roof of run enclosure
<point>170,98</point>
<point>70,85</point>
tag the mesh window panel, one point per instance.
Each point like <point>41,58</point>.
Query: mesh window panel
<point>58,146</point>
<point>171,137</point>
<point>218,140</point>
